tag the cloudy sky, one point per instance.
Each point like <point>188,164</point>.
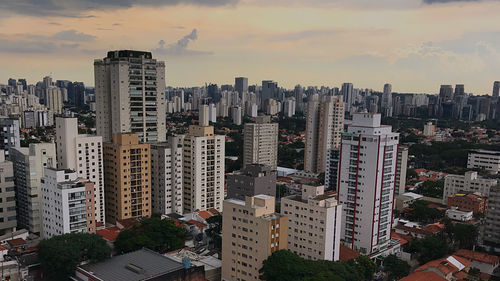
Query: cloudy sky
<point>414,44</point>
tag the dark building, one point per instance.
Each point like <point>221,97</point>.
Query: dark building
<point>332,168</point>
<point>77,96</point>
<point>213,93</point>
<point>141,265</point>
<point>252,180</point>
<point>241,84</point>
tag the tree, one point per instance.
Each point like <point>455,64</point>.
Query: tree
<point>429,248</point>
<point>432,188</point>
<point>395,267</point>
<point>419,211</point>
<point>59,256</point>
<point>281,190</point>
<point>153,233</point>
<point>365,266</point>
<point>411,174</point>
<point>214,231</point>
<point>465,235</point>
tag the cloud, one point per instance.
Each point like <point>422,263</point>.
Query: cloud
<point>180,48</point>
<point>448,1</point>
<point>75,8</point>
<point>304,34</point>
<point>73,35</point>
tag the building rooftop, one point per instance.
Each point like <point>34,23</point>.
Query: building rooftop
<point>423,276</point>
<point>477,256</point>
<point>134,266</point>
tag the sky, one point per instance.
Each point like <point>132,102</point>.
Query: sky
<point>416,45</point>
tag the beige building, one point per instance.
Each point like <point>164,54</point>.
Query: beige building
<point>83,154</point>
<point>127,178</point>
<point>252,232</point>
<point>470,182</point>
<point>401,168</point>
<point>54,100</point>
<point>429,129</point>
<point>324,125</point>
<point>203,169</point>
<point>260,143</point>
<point>130,95</point>
<point>8,221</point>
<point>314,223</point>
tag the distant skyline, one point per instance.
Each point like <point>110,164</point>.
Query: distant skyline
<point>416,45</point>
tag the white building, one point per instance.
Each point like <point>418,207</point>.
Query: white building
<point>429,129</point>
<point>251,109</point>
<point>367,172</point>
<point>9,134</point>
<point>386,104</point>
<point>167,175</point>
<point>402,167</point>
<point>468,183</point>
<point>54,100</point>
<point>455,214</point>
<point>289,107</point>
<point>212,113</point>
<point>204,154</point>
<point>68,203</point>
<point>324,125</point>
<point>83,154</point>
<point>29,167</point>
<point>130,95</point>
<point>237,115</point>
<point>260,142</point>
<point>7,196</point>
<point>314,223</point>
<point>484,159</point>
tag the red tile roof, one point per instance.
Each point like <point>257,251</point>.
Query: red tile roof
<point>346,254</point>
<point>204,215</point>
<point>2,248</point>
<point>423,276</point>
<point>213,211</point>
<point>16,242</point>
<point>109,233</point>
<point>197,223</point>
<point>444,265</point>
<point>403,239</point>
<point>476,256</point>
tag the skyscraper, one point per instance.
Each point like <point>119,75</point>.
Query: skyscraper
<point>54,100</point>
<point>324,124</point>
<point>401,168</point>
<point>167,176</point>
<point>203,169</point>
<point>269,91</point>
<point>83,154</point>
<point>347,92</point>
<point>127,177</point>
<point>496,89</point>
<point>367,174</point>
<point>241,85</point>
<point>8,221</point>
<point>29,169</point>
<point>260,142</point>
<point>130,95</point>
<point>9,134</point>
<point>387,101</point>
<point>252,180</point>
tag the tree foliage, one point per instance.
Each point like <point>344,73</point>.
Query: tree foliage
<point>432,188</point>
<point>153,233</point>
<point>59,256</point>
<point>284,265</point>
<point>429,248</point>
<point>419,211</point>
<point>396,268</point>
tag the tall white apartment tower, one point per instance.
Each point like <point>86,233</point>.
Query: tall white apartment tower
<point>83,154</point>
<point>167,175</point>
<point>204,154</point>
<point>367,172</point>
<point>260,142</point>
<point>324,125</point>
<point>130,95</point>
<point>386,105</point>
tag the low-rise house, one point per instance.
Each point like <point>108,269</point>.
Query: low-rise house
<point>419,232</point>
<point>455,214</point>
<point>469,202</point>
<point>484,262</point>
<point>405,200</point>
<point>450,268</point>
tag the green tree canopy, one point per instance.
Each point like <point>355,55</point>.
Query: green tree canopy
<point>153,233</point>
<point>395,267</point>
<point>429,248</point>
<point>422,213</point>
<point>59,256</point>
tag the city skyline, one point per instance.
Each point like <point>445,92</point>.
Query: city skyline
<point>414,45</point>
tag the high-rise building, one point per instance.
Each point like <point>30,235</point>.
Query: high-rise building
<point>253,232</point>
<point>367,174</point>
<point>254,179</point>
<point>8,221</point>
<point>269,91</point>
<point>314,222</point>
<point>9,134</point>
<point>237,115</point>
<point>429,129</point>
<point>468,183</point>
<point>496,89</point>
<point>127,177</point>
<point>488,160</point>
<point>167,175</point>
<point>332,169</point>
<point>204,115</point>
<point>29,169</point>
<point>241,85</point>
<point>260,142</point>
<point>446,92</point>
<point>68,203</point>
<point>54,100</point>
<point>347,93</point>
<point>324,125</point>
<point>401,168</point>
<point>130,95</point>
<point>83,154</point>
<point>212,113</point>
<point>204,154</point>
<point>387,101</point>
<point>29,119</point>
<point>491,231</point>
<point>289,107</point>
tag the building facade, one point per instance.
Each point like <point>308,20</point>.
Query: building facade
<point>29,169</point>
<point>167,176</point>
<point>470,182</point>
<point>253,232</point>
<point>367,173</point>
<point>68,203</point>
<point>260,142</point>
<point>8,222</point>
<point>484,159</point>
<point>491,228</point>
<point>127,177</point>
<point>204,154</point>
<point>469,202</point>
<point>252,180</point>
<point>9,135</point>
<point>83,154</point>
<point>324,125</point>
<point>130,95</point>
<point>314,223</point>
<point>401,168</point>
